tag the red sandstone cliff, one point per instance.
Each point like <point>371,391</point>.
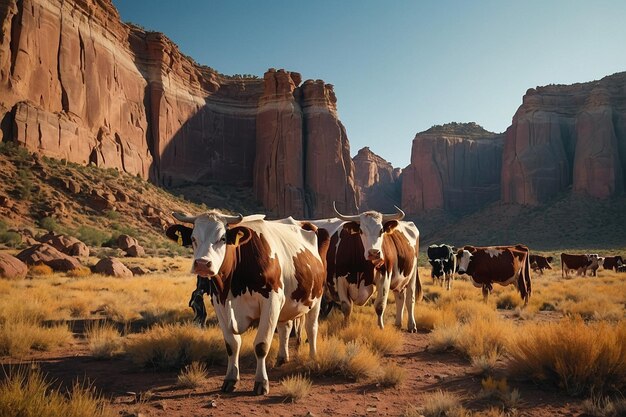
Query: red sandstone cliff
<point>77,83</point>
<point>377,180</point>
<point>567,135</point>
<point>453,167</point>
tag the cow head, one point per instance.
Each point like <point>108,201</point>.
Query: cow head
<point>463,258</point>
<point>437,265</point>
<point>209,238</point>
<point>372,226</point>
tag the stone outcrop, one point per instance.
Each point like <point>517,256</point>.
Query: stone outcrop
<point>77,83</point>
<point>566,136</point>
<point>112,267</point>
<point>378,182</point>
<point>454,167</point>
<point>46,254</point>
<point>11,267</point>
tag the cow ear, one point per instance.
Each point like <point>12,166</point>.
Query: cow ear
<point>390,225</point>
<point>179,234</point>
<point>238,236</point>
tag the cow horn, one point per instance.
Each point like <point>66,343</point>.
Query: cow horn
<point>355,218</point>
<point>232,220</point>
<point>399,215</point>
<point>184,217</point>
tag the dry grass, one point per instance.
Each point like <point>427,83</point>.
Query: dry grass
<point>79,272</point>
<point>391,376</point>
<point>17,338</point>
<point>438,404</point>
<point>485,364</point>
<point>193,376</point>
<point>40,270</point>
<point>172,346</point>
<point>572,355</point>
<point>104,340</point>
<point>25,393</point>
<point>599,406</point>
<point>296,387</point>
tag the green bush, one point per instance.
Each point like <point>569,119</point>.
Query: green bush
<point>92,236</point>
<point>49,224</point>
<point>10,239</point>
<point>111,214</point>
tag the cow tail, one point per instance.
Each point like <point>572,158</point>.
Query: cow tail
<point>417,289</point>
<point>527,275</point>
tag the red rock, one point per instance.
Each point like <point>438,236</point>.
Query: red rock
<point>112,267</point>
<point>567,135</point>
<point>124,242</point>
<point>11,267</point>
<point>378,184</point>
<point>46,254</point>
<point>137,270</point>
<point>6,202</point>
<point>78,249</point>
<point>453,167</point>
<point>72,186</point>
<point>136,251</point>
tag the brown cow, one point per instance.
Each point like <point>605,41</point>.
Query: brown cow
<point>504,265</point>
<point>578,263</point>
<point>539,263</point>
<point>613,262</point>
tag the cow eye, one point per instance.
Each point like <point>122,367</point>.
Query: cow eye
<point>222,239</point>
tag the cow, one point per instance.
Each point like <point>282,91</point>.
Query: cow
<point>613,262</point>
<point>443,261</point>
<point>578,263</point>
<point>539,263</point>
<point>371,251</point>
<point>260,272</point>
<point>596,262</point>
<point>504,265</point>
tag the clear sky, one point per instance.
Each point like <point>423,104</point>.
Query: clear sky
<point>400,67</point>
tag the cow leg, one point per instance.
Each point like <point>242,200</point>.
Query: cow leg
<point>263,340</point>
<point>298,325</point>
<point>409,303</point>
<point>448,278</point>
<point>400,297</point>
<point>311,323</point>
<point>284,330</point>
<point>382,291</point>
<point>346,309</point>
<point>485,293</point>
<point>233,345</point>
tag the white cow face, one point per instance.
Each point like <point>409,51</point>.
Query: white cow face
<point>463,260</point>
<point>372,235</point>
<point>209,245</point>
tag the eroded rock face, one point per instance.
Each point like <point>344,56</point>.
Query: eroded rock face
<point>564,136</point>
<point>77,83</point>
<point>377,181</point>
<point>11,267</point>
<point>453,167</point>
<point>46,254</point>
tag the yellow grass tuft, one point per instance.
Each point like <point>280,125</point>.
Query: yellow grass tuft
<point>104,340</point>
<point>484,364</point>
<point>79,272</point>
<point>442,404</point>
<point>40,270</point>
<point>28,394</point>
<point>296,387</point>
<point>17,338</point>
<point>172,346</point>
<point>391,376</point>
<point>193,376</point>
<point>572,355</point>
<point>360,362</point>
<point>599,406</point>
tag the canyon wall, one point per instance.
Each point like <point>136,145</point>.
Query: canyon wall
<point>378,182</point>
<point>78,84</point>
<point>454,167</point>
<point>566,136</point>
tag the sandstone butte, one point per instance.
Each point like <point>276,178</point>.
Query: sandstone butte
<point>78,84</point>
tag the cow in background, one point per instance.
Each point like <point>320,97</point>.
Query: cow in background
<point>613,262</point>
<point>443,262</point>
<point>260,272</point>
<point>578,263</point>
<point>504,265</point>
<point>539,263</point>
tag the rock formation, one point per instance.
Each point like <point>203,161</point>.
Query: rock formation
<point>377,180</point>
<point>567,135</point>
<point>453,167</point>
<point>77,83</point>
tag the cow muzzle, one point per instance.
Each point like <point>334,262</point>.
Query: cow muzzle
<point>203,268</point>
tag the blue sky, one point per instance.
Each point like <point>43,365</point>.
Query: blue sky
<point>400,67</point>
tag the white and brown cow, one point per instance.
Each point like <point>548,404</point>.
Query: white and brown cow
<point>373,251</point>
<point>260,272</point>
<point>579,263</point>
<point>504,265</point>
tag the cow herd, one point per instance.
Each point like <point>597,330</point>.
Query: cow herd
<point>273,273</point>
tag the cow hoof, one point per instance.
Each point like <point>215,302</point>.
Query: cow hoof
<point>412,330</point>
<point>229,385</point>
<point>261,387</point>
<point>281,361</point>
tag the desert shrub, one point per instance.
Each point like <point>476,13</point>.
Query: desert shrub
<point>173,346</point>
<point>40,270</point>
<point>79,272</point>
<point>391,376</point>
<point>574,356</point>
<point>11,239</point>
<point>112,214</point>
<point>440,404</point>
<point>484,364</point>
<point>17,338</point>
<point>601,406</point>
<point>49,224</point>
<point>499,389</point>
<point>508,301</point>
<point>104,340</point>
<point>193,375</point>
<point>26,393</point>
<point>92,236</point>
<point>296,387</point>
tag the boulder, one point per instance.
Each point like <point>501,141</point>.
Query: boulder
<point>48,255</point>
<point>66,244</point>
<point>137,270</point>
<point>79,249</point>
<point>72,186</point>
<point>124,242</point>
<point>112,267</point>
<point>135,251</point>
<point>11,267</point>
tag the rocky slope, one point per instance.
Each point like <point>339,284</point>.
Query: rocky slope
<point>454,167</point>
<point>567,136</point>
<point>378,182</point>
<point>78,84</point>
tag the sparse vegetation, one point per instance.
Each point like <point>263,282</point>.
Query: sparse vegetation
<point>104,340</point>
<point>40,270</point>
<point>193,376</point>
<point>296,387</point>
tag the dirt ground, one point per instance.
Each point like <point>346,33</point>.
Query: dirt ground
<point>135,391</point>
